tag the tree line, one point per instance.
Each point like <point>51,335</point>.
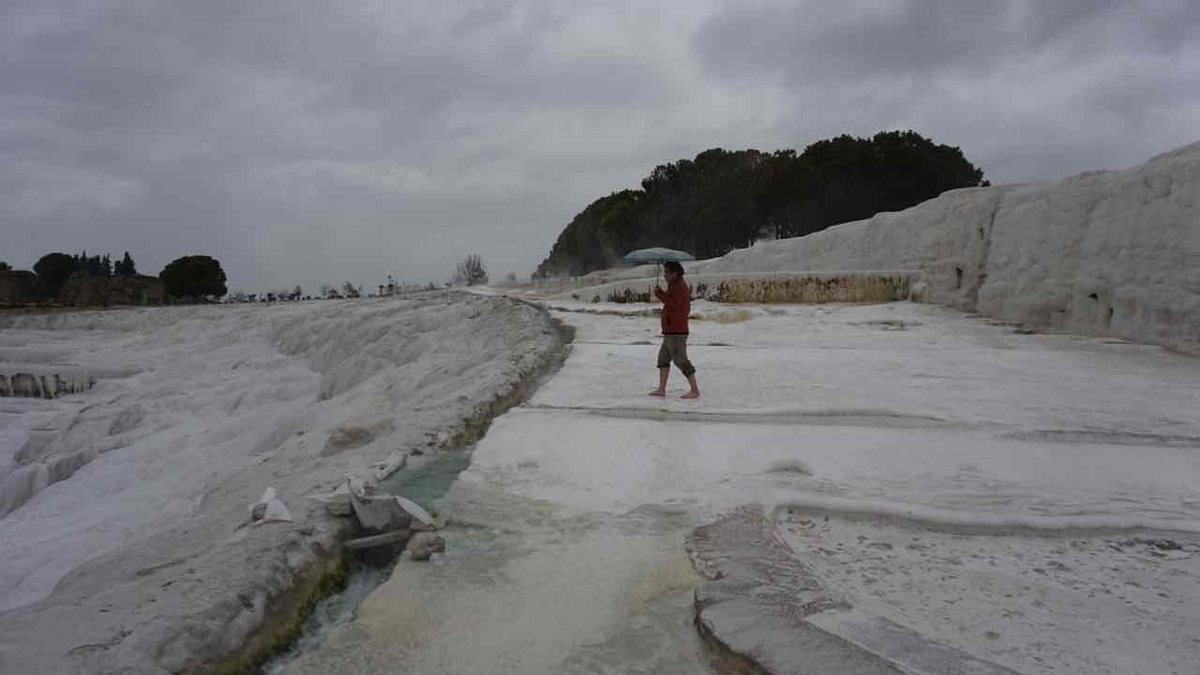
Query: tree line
<point>194,277</point>
<point>723,200</point>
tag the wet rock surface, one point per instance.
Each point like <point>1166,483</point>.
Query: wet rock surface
<point>154,564</point>
<point>423,545</point>
<point>769,610</point>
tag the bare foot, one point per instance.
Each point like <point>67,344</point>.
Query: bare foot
<point>691,394</point>
<point>657,392</point>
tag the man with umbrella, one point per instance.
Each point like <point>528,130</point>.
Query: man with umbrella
<point>677,304</point>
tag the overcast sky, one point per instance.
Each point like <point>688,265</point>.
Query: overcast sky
<point>303,142</point>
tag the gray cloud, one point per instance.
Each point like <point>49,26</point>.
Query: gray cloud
<point>821,42</point>
<point>303,142</point>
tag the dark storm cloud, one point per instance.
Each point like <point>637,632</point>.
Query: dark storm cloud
<point>813,41</point>
<point>304,142</point>
<point>1028,89</point>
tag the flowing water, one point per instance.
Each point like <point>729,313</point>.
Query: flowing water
<point>425,483</point>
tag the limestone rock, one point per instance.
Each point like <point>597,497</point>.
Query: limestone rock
<point>376,513</point>
<point>413,509</point>
<point>269,509</point>
<point>24,384</point>
<point>356,435</point>
<point>337,503</point>
<point>423,545</point>
<point>394,462</point>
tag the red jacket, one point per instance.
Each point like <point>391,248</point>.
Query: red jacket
<point>677,304</point>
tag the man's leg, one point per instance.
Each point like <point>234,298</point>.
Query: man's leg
<point>685,366</point>
<point>695,391</point>
<point>664,370</point>
<point>663,374</point>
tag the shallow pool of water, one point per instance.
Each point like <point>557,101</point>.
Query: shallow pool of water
<point>426,482</point>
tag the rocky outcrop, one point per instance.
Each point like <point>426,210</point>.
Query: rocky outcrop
<point>28,385</point>
<point>766,612</point>
<point>84,290</point>
<point>220,593</point>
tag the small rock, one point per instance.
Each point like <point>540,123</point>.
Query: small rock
<point>413,509</point>
<point>425,544</point>
<point>992,635</point>
<point>269,509</point>
<point>395,462</point>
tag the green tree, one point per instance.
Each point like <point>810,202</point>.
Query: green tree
<point>52,270</point>
<point>98,266</point>
<point>194,277</point>
<point>4,267</point>
<point>125,267</point>
<point>721,199</point>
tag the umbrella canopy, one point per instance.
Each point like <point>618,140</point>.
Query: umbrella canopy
<point>645,256</point>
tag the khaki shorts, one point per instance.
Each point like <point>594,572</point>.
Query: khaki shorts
<point>674,349</point>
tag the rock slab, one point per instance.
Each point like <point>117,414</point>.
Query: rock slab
<point>766,610</point>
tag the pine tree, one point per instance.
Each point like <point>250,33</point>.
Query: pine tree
<point>125,266</point>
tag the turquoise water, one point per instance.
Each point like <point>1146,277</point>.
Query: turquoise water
<point>425,483</point>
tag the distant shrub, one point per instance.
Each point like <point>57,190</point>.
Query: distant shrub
<point>813,289</point>
<point>471,272</point>
<point>629,295</point>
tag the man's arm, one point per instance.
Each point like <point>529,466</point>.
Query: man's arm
<point>674,296</point>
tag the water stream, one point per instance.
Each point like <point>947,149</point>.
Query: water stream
<point>426,482</point>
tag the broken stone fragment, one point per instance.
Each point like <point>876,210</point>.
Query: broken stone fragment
<point>337,503</point>
<point>376,513</point>
<point>413,509</point>
<point>422,545</point>
<point>395,462</point>
<point>377,540</point>
<point>269,509</point>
